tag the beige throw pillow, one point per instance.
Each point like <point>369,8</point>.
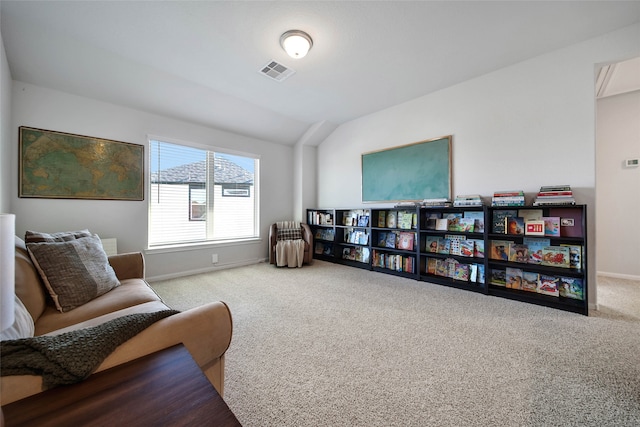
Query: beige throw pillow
<point>74,271</point>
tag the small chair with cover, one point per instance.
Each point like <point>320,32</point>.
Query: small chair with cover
<point>290,244</point>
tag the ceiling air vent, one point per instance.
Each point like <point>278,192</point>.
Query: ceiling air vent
<point>276,71</point>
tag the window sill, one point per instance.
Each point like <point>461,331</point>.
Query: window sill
<point>200,245</point>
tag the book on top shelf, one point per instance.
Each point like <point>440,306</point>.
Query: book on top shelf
<point>478,220</point>
<point>508,193</point>
<point>551,226</point>
<point>534,228</point>
<point>530,214</point>
<point>442,224</point>
<point>499,224</point>
<point>463,225</point>
<point>515,225</point>
<point>382,219</point>
<point>405,220</point>
<point>392,219</point>
<point>570,221</point>
<point>546,188</point>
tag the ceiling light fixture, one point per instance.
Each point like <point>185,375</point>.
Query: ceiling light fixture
<point>296,43</point>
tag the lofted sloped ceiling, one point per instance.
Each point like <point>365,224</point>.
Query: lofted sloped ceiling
<point>199,61</point>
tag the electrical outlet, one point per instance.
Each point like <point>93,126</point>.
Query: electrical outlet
<point>214,258</point>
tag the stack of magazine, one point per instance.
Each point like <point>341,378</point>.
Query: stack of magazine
<point>467,200</point>
<point>554,195</point>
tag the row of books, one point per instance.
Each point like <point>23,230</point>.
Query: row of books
<point>402,240</point>
<point>455,245</point>
<point>537,251</point>
<point>356,236</point>
<point>358,253</point>
<point>325,234</point>
<point>356,218</point>
<point>559,222</point>
<point>462,222</point>
<point>453,269</point>
<point>405,220</point>
<point>525,221</point>
<point>395,262</point>
<point>319,218</point>
<point>554,195</point>
<point>508,198</point>
<point>515,278</point>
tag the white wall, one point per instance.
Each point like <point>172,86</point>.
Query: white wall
<point>520,127</point>
<point>618,187</point>
<point>127,220</point>
<point>6,135</point>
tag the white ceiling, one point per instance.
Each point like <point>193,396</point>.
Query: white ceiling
<point>199,60</point>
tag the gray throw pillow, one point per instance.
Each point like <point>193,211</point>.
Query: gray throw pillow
<point>74,271</point>
<point>61,236</point>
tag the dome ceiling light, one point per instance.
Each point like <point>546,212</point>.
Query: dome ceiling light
<point>296,43</point>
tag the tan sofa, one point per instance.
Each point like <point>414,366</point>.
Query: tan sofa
<point>205,331</point>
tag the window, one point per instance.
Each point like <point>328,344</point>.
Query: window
<point>199,195</point>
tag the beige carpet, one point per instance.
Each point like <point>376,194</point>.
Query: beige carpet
<point>329,345</point>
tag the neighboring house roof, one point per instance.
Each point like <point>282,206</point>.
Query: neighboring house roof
<point>225,172</point>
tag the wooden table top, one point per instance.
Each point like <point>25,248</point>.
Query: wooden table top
<point>166,388</point>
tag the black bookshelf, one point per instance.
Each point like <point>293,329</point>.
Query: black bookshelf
<point>359,238</point>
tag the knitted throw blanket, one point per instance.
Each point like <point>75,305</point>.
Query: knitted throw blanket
<point>72,356</point>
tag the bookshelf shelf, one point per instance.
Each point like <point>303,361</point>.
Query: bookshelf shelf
<point>399,241</point>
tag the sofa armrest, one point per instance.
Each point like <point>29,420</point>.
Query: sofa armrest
<point>128,266</point>
<point>205,331</point>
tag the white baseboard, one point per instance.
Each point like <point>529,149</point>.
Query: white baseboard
<point>618,275</point>
<point>205,270</point>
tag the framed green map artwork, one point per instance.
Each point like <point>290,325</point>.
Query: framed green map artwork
<point>67,166</point>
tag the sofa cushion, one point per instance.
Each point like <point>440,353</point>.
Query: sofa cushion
<point>289,234</point>
<point>22,327</point>
<point>131,293</point>
<point>74,271</point>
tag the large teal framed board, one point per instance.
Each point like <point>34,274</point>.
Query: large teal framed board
<point>411,172</point>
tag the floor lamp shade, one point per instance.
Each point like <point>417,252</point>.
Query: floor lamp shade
<point>7,270</point>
